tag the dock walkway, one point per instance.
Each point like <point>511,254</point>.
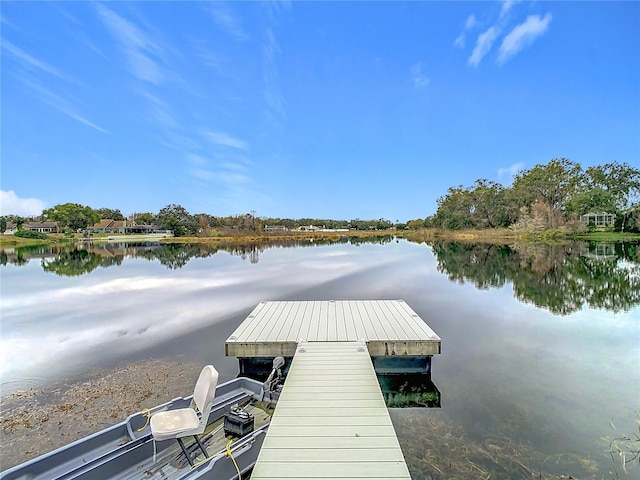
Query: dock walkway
<point>331,420</point>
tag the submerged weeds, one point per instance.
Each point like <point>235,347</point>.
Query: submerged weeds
<point>435,449</point>
<point>625,449</point>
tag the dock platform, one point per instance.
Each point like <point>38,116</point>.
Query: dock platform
<point>331,420</point>
<point>389,327</point>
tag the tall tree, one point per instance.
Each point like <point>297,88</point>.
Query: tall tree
<point>178,219</point>
<point>203,225</point>
<point>415,224</point>
<point>553,184</point>
<point>455,209</point>
<point>19,221</point>
<point>489,204</point>
<point>71,216</point>
<point>619,180</point>
<point>3,225</point>
<point>612,188</point>
<point>144,218</point>
<point>110,213</point>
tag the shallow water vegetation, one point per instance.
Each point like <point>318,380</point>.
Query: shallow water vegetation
<point>437,449</point>
<point>624,449</point>
<point>35,422</point>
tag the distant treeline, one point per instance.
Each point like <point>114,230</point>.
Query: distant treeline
<point>73,217</point>
<point>549,196</point>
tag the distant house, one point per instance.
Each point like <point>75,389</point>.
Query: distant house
<point>147,229</point>
<point>11,228</point>
<point>601,219</point>
<point>123,227</point>
<point>43,227</point>
<point>309,228</point>
<point>107,225</point>
<point>275,228</point>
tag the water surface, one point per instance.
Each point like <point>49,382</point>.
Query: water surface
<point>540,345</point>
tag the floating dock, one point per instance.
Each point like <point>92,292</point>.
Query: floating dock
<point>331,420</point>
<point>389,327</point>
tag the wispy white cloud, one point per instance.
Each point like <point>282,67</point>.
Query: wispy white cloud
<point>201,173</point>
<point>160,112</point>
<point>419,78</point>
<point>227,20</point>
<point>471,22</point>
<point>276,7</point>
<point>196,160</point>
<point>60,103</point>
<point>216,62</point>
<point>225,140</point>
<point>91,45</point>
<point>137,46</point>
<point>510,171</point>
<point>33,80</point>
<point>32,63</point>
<point>70,18</point>
<point>483,45</point>
<point>523,35</point>
<point>519,37</point>
<point>229,172</point>
<point>506,6</point>
<point>11,204</point>
<point>240,166</point>
<point>272,95</point>
<point>199,167</point>
<point>231,178</point>
<point>461,39</point>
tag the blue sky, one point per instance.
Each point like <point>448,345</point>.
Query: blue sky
<point>306,109</point>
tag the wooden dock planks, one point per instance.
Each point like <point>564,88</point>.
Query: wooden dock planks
<point>331,420</point>
<point>390,327</point>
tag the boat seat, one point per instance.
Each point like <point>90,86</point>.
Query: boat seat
<point>184,422</point>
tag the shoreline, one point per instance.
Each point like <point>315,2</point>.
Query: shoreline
<point>503,236</point>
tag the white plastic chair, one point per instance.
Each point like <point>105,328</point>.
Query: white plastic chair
<point>184,422</point>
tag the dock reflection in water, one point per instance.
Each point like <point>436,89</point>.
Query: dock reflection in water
<point>409,390</point>
<point>399,390</point>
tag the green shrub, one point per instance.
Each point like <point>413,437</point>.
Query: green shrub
<point>30,234</point>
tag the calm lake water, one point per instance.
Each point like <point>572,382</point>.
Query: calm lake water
<point>540,345</point>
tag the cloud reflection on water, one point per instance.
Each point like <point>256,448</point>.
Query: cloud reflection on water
<point>137,305</point>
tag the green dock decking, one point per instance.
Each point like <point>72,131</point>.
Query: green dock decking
<point>389,327</point>
<point>331,420</point>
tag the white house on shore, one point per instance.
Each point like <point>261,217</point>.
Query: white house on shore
<point>601,219</point>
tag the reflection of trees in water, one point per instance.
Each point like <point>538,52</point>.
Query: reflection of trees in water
<point>561,278</point>
<point>252,251</point>
<point>71,260</point>
<point>21,255</point>
<point>72,263</point>
<point>176,255</point>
